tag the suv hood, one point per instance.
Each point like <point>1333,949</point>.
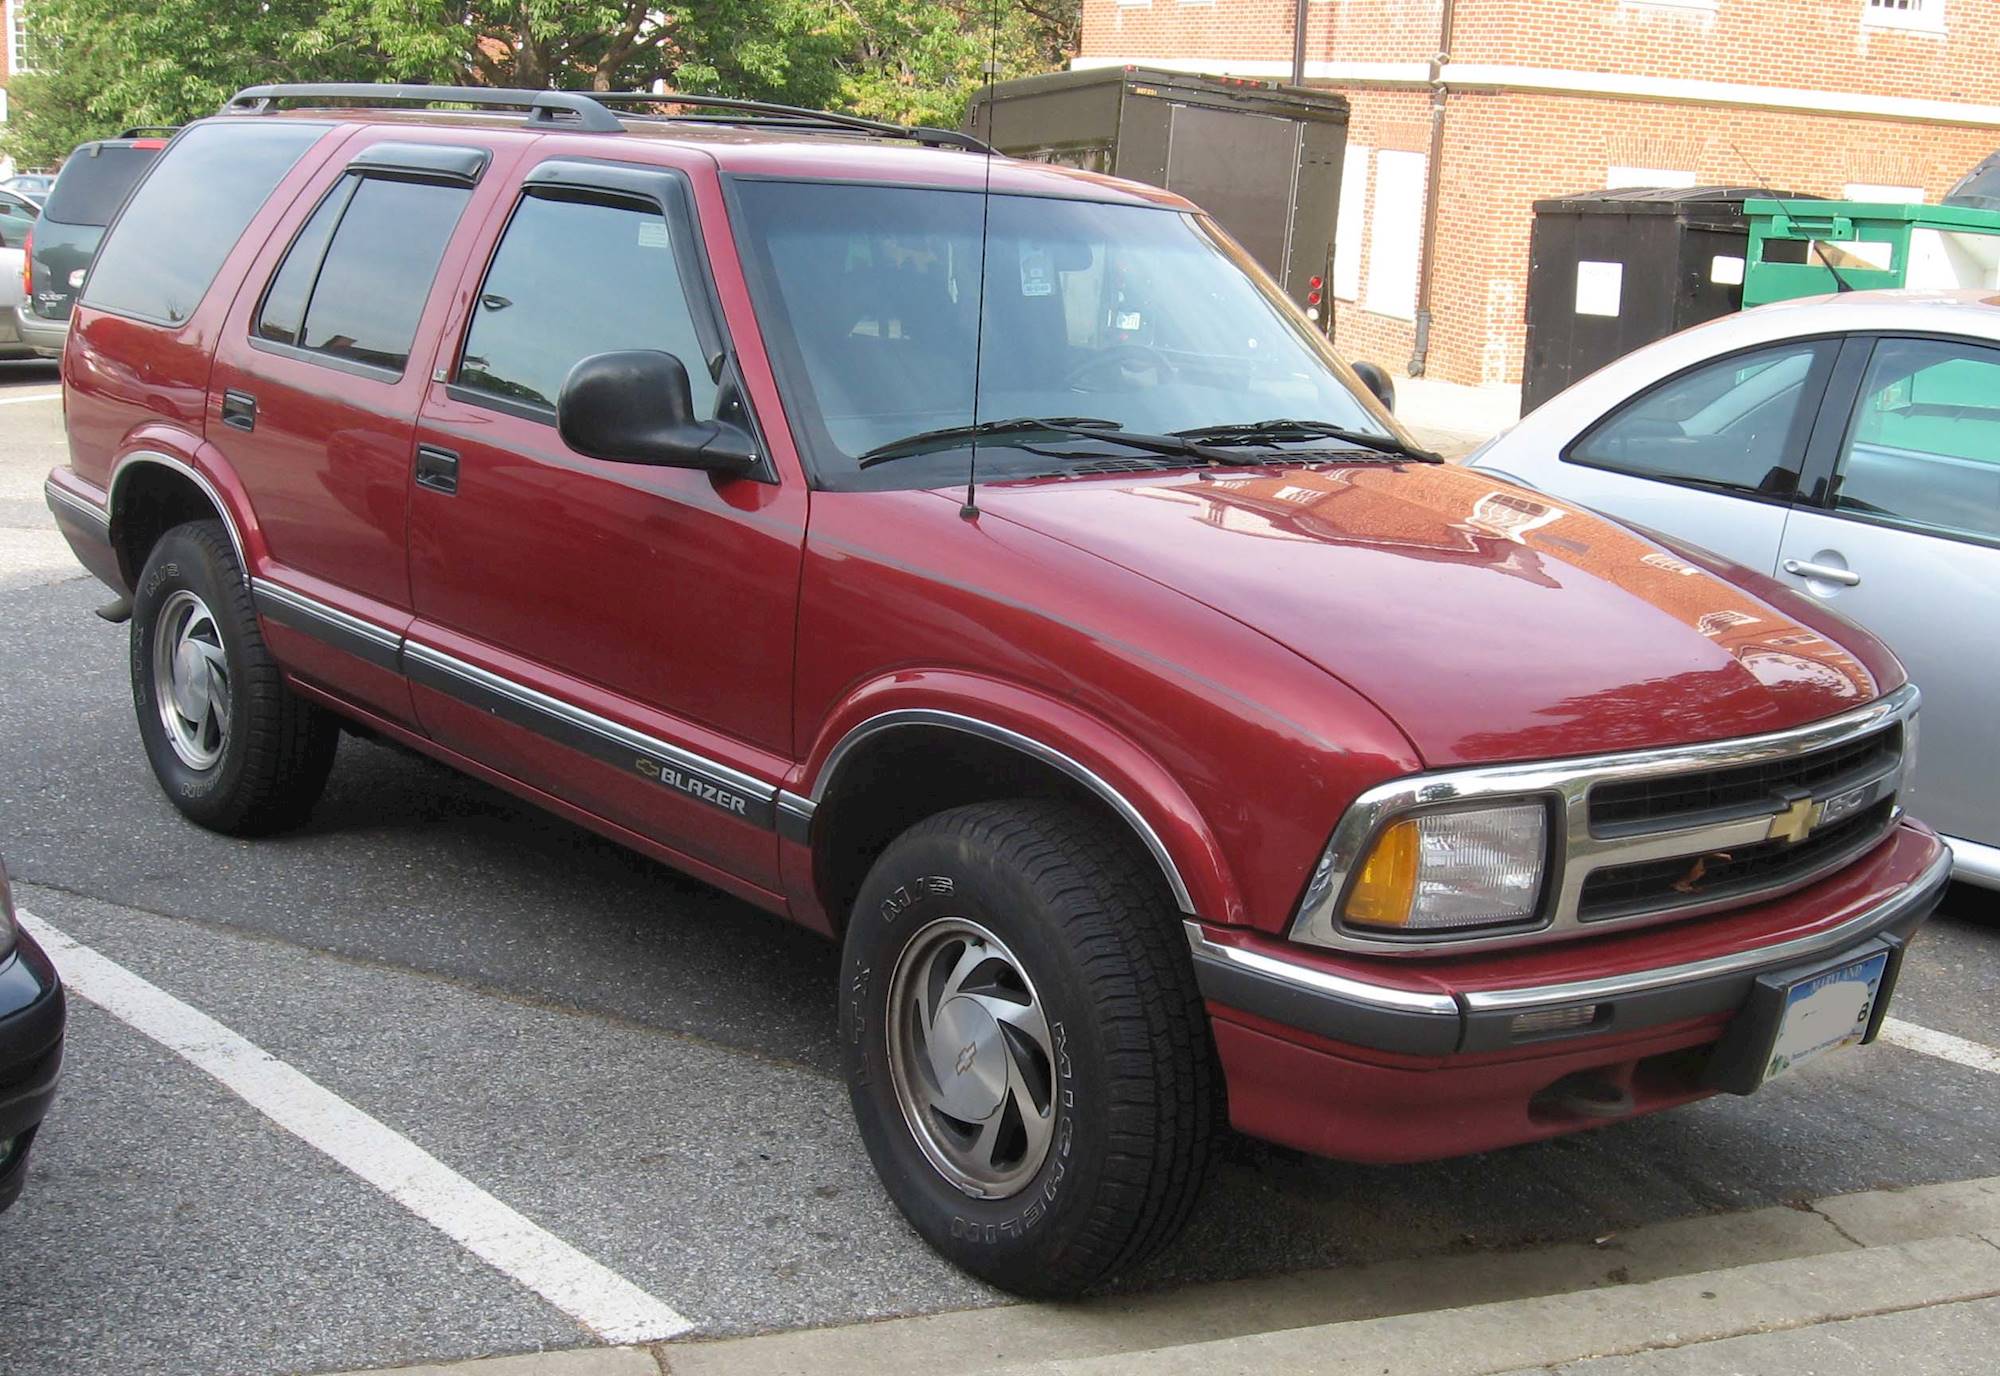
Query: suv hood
<point>1490,622</point>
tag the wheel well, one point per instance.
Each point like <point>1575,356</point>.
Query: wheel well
<point>151,500</point>
<point>894,780</point>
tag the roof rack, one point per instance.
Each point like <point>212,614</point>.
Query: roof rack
<point>591,111</point>
<point>142,131</point>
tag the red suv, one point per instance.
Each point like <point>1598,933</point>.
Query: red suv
<point>979,562</point>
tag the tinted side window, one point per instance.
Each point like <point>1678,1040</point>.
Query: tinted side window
<point>571,279</point>
<point>284,307</point>
<point>181,223</point>
<point>1924,449</point>
<point>358,275</point>
<point>1739,423</point>
<point>94,182</point>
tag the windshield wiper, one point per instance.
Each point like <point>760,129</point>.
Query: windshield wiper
<point>1289,431</point>
<point>1081,427</point>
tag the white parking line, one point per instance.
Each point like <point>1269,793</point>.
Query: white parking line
<point>598,1298</point>
<point>1942,1045</point>
<point>39,396</point>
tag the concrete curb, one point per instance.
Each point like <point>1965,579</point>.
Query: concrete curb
<point>1670,1286</point>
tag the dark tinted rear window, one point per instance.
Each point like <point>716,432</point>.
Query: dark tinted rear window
<point>93,183</point>
<point>160,259</point>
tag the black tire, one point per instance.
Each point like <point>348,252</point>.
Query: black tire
<point>1095,934</point>
<point>275,748</point>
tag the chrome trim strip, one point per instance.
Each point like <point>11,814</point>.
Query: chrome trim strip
<point>1027,745</point>
<point>1974,862</point>
<point>154,456</point>
<point>1566,784</point>
<point>320,611</point>
<point>1321,981</point>
<point>82,506</point>
<point>1640,981</point>
<point>795,817</point>
<point>601,727</point>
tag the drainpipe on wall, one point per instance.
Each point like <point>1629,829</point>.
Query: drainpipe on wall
<point>1434,171</point>
<point>1299,41</point>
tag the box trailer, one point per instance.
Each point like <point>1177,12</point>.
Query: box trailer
<point>1262,158</point>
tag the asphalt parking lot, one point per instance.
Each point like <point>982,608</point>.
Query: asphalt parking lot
<point>593,1050</point>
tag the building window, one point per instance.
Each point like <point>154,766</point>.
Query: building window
<point>1395,234</point>
<point>1350,222</point>
<point>20,56</point>
<point>1620,178</point>
<point>1883,193</point>
<point>1923,15</point>
<point>1134,4</point>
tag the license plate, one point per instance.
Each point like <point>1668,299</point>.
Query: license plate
<point>1825,1012</point>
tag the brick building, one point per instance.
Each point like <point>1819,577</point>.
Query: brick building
<point>14,57</point>
<point>1516,100</point>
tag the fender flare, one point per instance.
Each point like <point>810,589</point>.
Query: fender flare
<point>138,458</point>
<point>1106,764</point>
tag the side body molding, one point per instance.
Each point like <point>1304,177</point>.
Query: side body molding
<point>795,813</point>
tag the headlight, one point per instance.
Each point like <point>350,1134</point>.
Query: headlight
<point>7,928</point>
<point>1445,871</point>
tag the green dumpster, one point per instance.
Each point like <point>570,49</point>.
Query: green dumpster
<point>1810,248</point>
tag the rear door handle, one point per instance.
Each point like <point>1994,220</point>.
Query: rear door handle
<point>1801,568</point>
<point>437,469</point>
<point>239,410</point>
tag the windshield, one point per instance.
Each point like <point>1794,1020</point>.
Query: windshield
<point>1131,315</point>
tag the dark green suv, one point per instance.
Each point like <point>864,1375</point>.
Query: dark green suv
<point>94,182</point>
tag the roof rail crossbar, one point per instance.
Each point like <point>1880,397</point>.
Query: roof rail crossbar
<point>795,115</point>
<point>543,107</point>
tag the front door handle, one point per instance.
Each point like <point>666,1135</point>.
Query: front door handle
<point>437,469</point>
<point>239,410</point>
<point>1826,573</point>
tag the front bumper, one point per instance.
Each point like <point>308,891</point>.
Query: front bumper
<point>1331,1056</point>
<point>32,1016</point>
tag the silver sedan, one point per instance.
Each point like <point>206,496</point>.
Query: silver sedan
<point>1847,445</point>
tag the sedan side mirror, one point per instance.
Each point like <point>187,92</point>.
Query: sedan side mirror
<point>635,406</point>
<point>1376,380</point>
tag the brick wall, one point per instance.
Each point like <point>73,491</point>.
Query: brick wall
<point>1506,148</point>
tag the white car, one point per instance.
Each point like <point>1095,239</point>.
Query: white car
<point>1847,445</point>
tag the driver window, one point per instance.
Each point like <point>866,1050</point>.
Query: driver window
<point>1739,422</point>
<point>1924,449</point>
<point>573,278</point>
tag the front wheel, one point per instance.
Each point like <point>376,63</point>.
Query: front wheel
<point>233,747</point>
<point>1027,1054</point>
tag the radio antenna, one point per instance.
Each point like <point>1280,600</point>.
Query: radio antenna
<point>970,510</point>
<point>1840,284</point>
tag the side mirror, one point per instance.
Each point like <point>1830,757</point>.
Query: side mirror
<point>635,406</point>
<point>1376,380</point>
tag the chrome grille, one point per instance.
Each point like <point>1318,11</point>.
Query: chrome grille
<point>1639,805</point>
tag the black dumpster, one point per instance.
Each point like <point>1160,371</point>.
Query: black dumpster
<point>1263,159</point>
<point>1609,271</point>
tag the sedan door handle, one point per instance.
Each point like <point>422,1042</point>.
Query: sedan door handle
<point>1826,573</point>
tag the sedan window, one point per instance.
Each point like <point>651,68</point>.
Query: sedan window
<point>1924,448</point>
<point>1738,423</point>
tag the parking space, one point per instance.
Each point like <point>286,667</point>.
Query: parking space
<point>638,1066</point>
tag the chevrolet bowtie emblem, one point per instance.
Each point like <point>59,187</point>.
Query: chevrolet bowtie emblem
<point>1795,823</point>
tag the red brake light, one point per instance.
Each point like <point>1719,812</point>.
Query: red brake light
<point>1315,282</point>
<point>149,143</point>
<point>1312,297</point>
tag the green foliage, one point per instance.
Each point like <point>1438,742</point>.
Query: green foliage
<point>102,65</point>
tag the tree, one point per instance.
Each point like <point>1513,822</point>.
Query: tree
<point>105,64</point>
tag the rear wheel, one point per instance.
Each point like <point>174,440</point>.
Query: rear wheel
<point>234,748</point>
<point>1027,1054</point>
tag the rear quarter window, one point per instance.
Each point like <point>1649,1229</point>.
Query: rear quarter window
<point>162,255</point>
<point>94,182</point>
